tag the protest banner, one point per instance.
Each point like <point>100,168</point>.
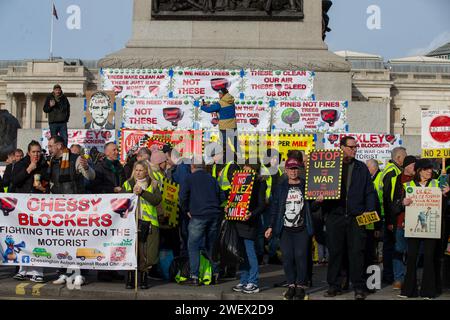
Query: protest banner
<point>324,174</point>
<point>205,83</point>
<point>185,142</point>
<point>84,137</point>
<point>436,134</point>
<point>144,83</point>
<point>253,145</point>
<point>99,107</point>
<point>86,231</point>
<point>170,201</point>
<point>157,114</point>
<point>251,115</point>
<point>310,116</point>
<point>278,84</point>
<point>423,216</point>
<point>376,146</point>
<point>240,194</point>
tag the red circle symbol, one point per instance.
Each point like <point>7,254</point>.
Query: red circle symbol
<point>440,129</point>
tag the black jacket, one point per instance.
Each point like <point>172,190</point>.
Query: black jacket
<point>278,207</point>
<point>361,196</point>
<point>105,179</point>
<point>7,177</point>
<point>23,181</point>
<point>249,229</point>
<point>200,195</point>
<point>59,113</point>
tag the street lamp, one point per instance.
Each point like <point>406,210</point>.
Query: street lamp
<point>403,121</point>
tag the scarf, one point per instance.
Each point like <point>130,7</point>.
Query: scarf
<point>143,183</point>
<point>57,98</point>
<point>64,175</point>
<point>115,167</point>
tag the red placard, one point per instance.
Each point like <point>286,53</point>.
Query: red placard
<point>239,198</point>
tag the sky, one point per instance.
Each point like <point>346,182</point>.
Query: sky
<point>404,28</point>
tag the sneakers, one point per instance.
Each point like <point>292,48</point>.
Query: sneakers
<point>397,285</point>
<point>402,296</point>
<point>299,293</point>
<point>289,294</point>
<point>20,277</point>
<point>61,280</point>
<point>192,282</point>
<point>238,288</point>
<point>79,281</point>
<point>37,279</point>
<point>250,288</point>
<point>330,293</point>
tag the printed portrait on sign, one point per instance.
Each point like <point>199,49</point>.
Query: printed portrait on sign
<point>99,110</point>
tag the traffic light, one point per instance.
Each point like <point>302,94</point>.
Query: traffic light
<point>326,5</point>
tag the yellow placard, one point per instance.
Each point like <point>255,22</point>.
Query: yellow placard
<point>170,201</point>
<point>436,153</point>
<point>367,218</point>
<point>281,142</point>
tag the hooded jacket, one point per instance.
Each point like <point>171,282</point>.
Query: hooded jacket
<point>227,111</point>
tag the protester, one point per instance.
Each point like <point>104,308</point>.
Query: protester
<point>149,194</point>
<point>227,119</point>
<point>143,154</point>
<point>109,178</point>
<point>393,168</point>
<point>58,108</point>
<point>67,172</point>
<point>76,149</point>
<point>395,217</point>
<point>356,197</point>
<point>247,231</point>
<point>30,176</point>
<point>292,222</point>
<point>430,286</point>
<point>201,198</point>
<point>7,176</point>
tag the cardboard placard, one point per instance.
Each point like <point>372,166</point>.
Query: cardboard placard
<point>324,174</point>
<point>170,201</point>
<point>423,216</point>
<point>239,198</point>
<point>100,110</point>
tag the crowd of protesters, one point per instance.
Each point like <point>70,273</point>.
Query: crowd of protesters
<point>280,225</point>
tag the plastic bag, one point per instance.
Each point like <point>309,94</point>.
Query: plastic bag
<point>228,248</point>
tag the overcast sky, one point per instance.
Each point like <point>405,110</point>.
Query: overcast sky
<point>407,27</point>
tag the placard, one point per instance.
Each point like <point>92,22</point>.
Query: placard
<point>240,195</point>
<point>435,131</point>
<point>170,201</point>
<point>100,110</point>
<point>87,139</point>
<point>86,231</point>
<point>310,116</point>
<point>423,216</point>
<point>324,174</point>
<point>158,114</point>
<point>376,146</point>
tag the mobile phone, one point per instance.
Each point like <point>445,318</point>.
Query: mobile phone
<point>443,181</point>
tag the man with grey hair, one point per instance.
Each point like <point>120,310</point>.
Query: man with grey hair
<point>100,106</point>
<point>392,169</point>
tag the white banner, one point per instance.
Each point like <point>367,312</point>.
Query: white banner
<point>436,129</point>
<point>158,114</point>
<point>251,115</point>
<point>376,146</point>
<point>310,116</point>
<point>279,84</point>
<point>145,83</point>
<point>205,83</point>
<point>423,217</point>
<point>69,231</point>
<point>84,137</point>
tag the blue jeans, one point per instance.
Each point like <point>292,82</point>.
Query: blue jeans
<point>61,129</point>
<point>399,253</point>
<point>249,268</point>
<point>199,229</point>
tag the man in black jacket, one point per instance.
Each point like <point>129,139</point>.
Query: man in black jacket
<point>109,174</point>
<point>7,176</point>
<point>357,196</point>
<point>58,108</point>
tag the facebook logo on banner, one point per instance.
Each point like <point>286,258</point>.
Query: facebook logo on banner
<point>26,259</point>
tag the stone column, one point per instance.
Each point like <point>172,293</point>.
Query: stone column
<point>9,101</point>
<point>14,105</point>
<point>33,113</point>
<point>27,122</point>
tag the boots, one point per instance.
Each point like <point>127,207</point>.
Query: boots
<point>130,280</point>
<point>143,280</point>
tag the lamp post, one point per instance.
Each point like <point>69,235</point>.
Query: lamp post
<point>403,121</point>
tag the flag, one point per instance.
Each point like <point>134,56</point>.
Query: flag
<point>54,12</point>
